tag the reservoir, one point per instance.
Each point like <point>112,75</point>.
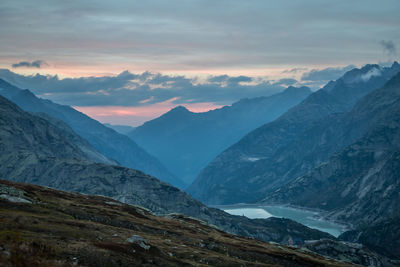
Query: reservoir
<point>306,217</point>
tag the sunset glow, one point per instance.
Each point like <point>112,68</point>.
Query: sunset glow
<point>135,116</point>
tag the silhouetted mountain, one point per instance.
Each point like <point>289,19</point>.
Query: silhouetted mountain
<point>186,142</point>
<point>32,150</point>
<point>280,151</point>
<point>107,141</point>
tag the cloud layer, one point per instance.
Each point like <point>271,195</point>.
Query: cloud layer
<point>129,89</point>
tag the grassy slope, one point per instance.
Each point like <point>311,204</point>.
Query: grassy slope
<point>59,228</point>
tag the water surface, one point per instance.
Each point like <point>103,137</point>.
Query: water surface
<point>306,217</point>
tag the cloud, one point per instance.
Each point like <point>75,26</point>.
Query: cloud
<point>294,70</point>
<point>286,81</point>
<point>147,88</point>
<point>26,64</point>
<point>388,47</point>
<point>327,74</point>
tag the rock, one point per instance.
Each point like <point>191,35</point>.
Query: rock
<point>137,239</point>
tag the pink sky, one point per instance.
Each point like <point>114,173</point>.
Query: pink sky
<point>135,116</point>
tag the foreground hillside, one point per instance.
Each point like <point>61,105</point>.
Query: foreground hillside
<point>46,227</point>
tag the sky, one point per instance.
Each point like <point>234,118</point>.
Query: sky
<point>129,61</point>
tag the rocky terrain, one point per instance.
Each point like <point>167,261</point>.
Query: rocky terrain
<point>45,227</point>
<point>295,143</point>
<point>185,142</point>
<point>32,150</point>
<point>382,236</point>
<point>111,144</point>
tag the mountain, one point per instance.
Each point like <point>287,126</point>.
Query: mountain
<point>186,142</point>
<point>32,150</point>
<point>296,142</point>
<point>45,227</point>
<point>122,129</point>
<point>90,152</point>
<point>360,184</point>
<point>111,144</point>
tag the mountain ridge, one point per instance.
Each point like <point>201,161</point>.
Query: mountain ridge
<point>186,141</point>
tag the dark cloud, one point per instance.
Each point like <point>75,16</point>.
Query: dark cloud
<point>388,47</point>
<point>325,74</point>
<point>129,89</point>
<point>26,64</point>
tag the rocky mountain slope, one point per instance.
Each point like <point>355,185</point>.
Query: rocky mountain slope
<point>185,142</point>
<point>46,227</point>
<point>360,184</point>
<point>382,236</point>
<point>32,150</point>
<point>290,146</point>
<point>108,142</point>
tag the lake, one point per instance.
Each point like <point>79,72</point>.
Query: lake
<point>306,217</point>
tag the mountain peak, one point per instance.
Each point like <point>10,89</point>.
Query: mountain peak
<point>293,89</point>
<point>179,110</point>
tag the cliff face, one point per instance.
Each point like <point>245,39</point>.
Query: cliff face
<point>295,143</point>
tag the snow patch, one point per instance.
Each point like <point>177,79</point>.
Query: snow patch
<point>251,159</point>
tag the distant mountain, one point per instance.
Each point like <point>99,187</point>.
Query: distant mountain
<point>186,142</point>
<point>122,129</point>
<point>32,150</point>
<point>280,151</point>
<point>108,142</point>
<point>360,184</point>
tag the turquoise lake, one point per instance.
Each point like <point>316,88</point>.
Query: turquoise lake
<point>306,217</point>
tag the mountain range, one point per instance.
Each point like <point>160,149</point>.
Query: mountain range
<point>35,151</point>
<point>292,145</point>
<point>185,142</point>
